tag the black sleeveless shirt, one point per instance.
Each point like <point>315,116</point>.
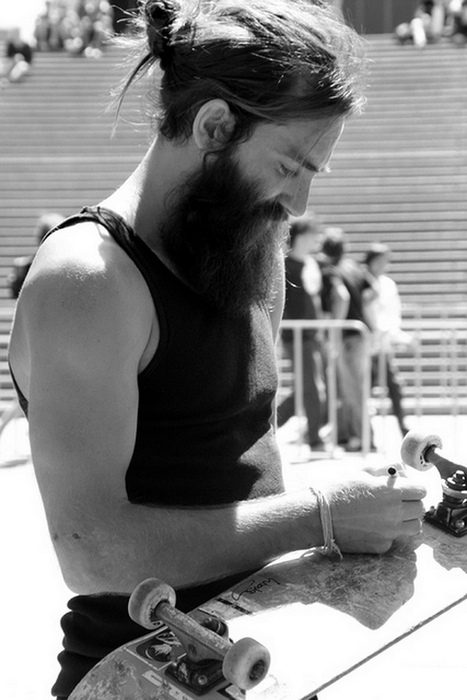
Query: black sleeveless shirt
<point>204,430</point>
<point>299,303</point>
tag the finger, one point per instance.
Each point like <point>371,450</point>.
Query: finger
<point>411,527</point>
<point>412,492</point>
<point>412,510</point>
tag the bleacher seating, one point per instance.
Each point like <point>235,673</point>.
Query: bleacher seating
<point>399,174</point>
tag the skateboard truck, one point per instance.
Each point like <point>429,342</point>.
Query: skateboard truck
<point>196,673</point>
<point>451,513</point>
<point>209,654</point>
<point>418,451</point>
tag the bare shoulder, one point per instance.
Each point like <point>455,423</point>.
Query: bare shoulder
<point>83,267</point>
<point>84,254</point>
<point>82,285</point>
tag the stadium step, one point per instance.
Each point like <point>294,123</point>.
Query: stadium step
<point>399,173</point>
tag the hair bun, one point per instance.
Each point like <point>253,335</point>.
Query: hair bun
<point>159,16</point>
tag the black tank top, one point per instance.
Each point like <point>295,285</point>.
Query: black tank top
<point>299,303</point>
<point>204,433</point>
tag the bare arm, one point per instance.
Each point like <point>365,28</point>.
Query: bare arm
<point>340,300</point>
<point>86,335</point>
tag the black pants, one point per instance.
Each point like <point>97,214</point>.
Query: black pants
<point>393,385</point>
<point>98,624</point>
<point>314,394</point>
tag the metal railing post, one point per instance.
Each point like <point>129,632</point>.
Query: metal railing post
<point>332,327</point>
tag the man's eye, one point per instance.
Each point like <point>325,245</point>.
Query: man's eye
<point>287,172</point>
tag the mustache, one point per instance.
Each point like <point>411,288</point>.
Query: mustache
<point>245,215</point>
<point>224,236</point>
<point>272,210</point>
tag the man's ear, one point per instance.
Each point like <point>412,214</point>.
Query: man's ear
<point>213,125</point>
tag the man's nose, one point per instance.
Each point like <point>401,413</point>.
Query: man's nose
<point>296,198</point>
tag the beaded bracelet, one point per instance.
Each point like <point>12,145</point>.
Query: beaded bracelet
<point>330,547</point>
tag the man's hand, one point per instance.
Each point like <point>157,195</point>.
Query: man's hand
<point>370,512</point>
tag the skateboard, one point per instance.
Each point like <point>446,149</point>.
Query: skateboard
<point>299,624</point>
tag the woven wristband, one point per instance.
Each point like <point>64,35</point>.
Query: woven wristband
<point>329,547</point>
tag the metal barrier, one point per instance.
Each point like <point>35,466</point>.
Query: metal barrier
<point>6,387</point>
<point>332,329</point>
<point>443,383</point>
<point>450,360</point>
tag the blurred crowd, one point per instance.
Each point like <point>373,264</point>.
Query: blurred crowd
<point>80,27</point>
<point>17,60</point>
<point>325,282</point>
<point>434,19</point>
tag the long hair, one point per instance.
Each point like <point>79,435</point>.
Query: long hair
<point>270,60</point>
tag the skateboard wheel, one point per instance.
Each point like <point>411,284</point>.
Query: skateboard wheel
<point>145,599</point>
<point>246,663</point>
<point>414,447</point>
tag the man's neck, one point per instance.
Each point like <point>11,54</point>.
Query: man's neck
<point>143,198</point>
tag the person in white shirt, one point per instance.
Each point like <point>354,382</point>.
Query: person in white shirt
<point>382,307</point>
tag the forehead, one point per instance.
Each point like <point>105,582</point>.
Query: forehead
<point>309,142</point>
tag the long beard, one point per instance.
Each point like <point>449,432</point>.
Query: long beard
<point>224,241</point>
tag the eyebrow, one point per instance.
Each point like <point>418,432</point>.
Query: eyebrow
<point>307,164</point>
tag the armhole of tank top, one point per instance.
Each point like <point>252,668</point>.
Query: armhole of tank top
<point>161,349</point>
<point>135,248</point>
<point>129,242</point>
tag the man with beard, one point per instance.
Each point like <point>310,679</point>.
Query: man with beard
<point>143,345</point>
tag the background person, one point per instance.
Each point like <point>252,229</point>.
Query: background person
<point>143,341</point>
<point>82,27</point>
<point>15,281</point>
<point>458,21</point>
<point>344,280</point>
<point>302,301</point>
<point>382,308</point>
<point>22,264</point>
<point>18,57</point>
<point>427,24</point>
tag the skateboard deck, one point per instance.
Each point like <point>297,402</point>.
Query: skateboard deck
<point>318,617</point>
